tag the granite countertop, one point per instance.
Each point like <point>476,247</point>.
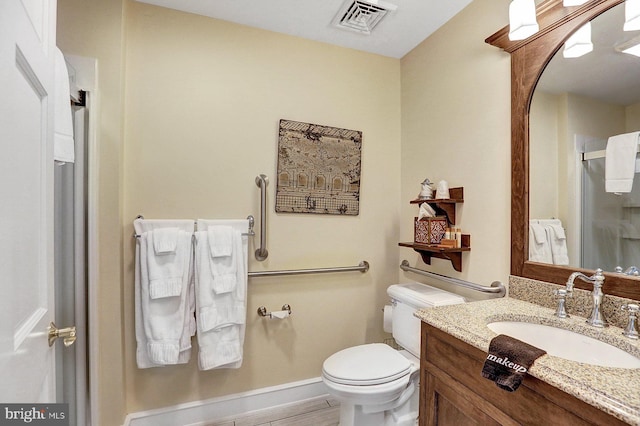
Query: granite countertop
<point>613,390</point>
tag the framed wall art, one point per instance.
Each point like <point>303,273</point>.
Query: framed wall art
<point>318,169</point>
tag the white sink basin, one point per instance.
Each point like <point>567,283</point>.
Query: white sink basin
<point>567,344</point>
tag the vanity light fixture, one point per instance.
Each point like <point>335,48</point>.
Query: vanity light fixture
<point>631,47</point>
<point>632,15</point>
<point>522,19</point>
<point>566,3</point>
<point>579,43</point>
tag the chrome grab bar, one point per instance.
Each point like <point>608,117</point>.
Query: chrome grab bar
<point>261,253</point>
<point>362,267</point>
<point>496,287</point>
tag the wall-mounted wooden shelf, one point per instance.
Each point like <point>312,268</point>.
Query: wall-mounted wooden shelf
<point>446,207</point>
<point>443,207</point>
<point>452,254</point>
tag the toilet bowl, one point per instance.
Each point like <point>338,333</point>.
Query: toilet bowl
<point>376,384</point>
<point>373,383</point>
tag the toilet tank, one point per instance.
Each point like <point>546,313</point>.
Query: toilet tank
<point>408,298</point>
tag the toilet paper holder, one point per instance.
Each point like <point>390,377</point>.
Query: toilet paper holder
<point>285,312</point>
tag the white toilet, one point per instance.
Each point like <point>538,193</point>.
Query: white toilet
<point>376,384</point>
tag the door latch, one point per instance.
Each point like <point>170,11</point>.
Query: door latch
<point>67,334</point>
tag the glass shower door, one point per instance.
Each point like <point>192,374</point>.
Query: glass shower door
<point>610,222</point>
<point>71,275</point>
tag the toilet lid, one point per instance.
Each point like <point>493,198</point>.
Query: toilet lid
<point>371,364</point>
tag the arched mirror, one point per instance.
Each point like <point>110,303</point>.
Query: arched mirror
<point>557,107</point>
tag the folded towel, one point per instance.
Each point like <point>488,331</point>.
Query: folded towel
<point>220,240</point>
<point>167,270</point>
<point>223,240</point>
<point>63,144</point>
<point>221,315</point>
<point>620,162</point>
<point>539,244</point>
<point>163,326</point>
<point>508,361</point>
<point>558,240</point>
<point>165,240</point>
<point>540,236</point>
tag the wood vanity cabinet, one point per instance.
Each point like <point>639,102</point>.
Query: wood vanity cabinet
<point>453,392</point>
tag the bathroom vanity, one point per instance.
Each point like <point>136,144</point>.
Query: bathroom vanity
<point>455,340</point>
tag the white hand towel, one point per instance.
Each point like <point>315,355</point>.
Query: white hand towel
<point>165,240</point>
<point>620,162</point>
<point>221,317</point>
<point>538,232</point>
<point>223,266</point>
<point>167,271</point>
<point>539,245</point>
<point>163,326</point>
<point>558,241</point>
<point>220,240</point>
<point>63,145</point>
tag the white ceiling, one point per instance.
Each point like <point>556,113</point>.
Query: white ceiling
<point>396,34</point>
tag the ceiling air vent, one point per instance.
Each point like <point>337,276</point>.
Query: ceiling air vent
<point>362,16</point>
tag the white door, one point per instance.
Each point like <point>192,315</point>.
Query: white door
<point>27,39</point>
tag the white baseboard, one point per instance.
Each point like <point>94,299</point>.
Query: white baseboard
<point>210,410</point>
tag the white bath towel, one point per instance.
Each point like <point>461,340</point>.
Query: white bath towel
<point>557,240</point>
<point>164,325</point>
<point>63,144</point>
<point>221,317</point>
<point>620,162</point>
<point>539,244</point>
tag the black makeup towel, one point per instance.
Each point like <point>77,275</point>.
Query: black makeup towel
<point>508,361</point>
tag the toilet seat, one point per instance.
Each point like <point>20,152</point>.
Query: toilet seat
<point>366,365</point>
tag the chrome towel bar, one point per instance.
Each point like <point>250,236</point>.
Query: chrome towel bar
<point>249,233</point>
<point>496,287</point>
<point>362,267</point>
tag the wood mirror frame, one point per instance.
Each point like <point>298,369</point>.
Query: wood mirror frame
<point>528,60</point>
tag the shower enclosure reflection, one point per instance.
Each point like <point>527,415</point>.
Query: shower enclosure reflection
<point>610,223</point>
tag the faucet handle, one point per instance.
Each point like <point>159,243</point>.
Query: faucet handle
<point>599,275</point>
<point>561,296</point>
<point>632,329</point>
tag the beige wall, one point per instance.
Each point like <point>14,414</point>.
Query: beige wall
<point>633,118</point>
<point>455,126</point>
<point>94,28</point>
<point>203,102</point>
<point>545,120</point>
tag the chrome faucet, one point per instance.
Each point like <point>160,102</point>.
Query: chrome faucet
<point>561,309</point>
<point>632,328</point>
<point>596,318</point>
